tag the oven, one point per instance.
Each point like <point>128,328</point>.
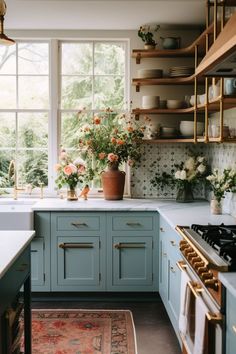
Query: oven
<point>202,309</point>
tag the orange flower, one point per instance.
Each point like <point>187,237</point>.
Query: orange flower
<point>113,140</point>
<point>102,155</point>
<point>57,167</point>
<point>130,129</point>
<point>97,120</point>
<point>120,142</point>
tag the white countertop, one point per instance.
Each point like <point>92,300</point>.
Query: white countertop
<point>183,214</point>
<point>12,243</point>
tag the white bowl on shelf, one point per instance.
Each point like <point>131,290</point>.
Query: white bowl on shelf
<point>186,128</point>
<point>150,73</point>
<point>174,104</point>
<point>150,102</point>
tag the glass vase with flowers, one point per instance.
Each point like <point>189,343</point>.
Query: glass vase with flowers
<point>184,177</point>
<point>220,183</point>
<point>111,139</point>
<point>70,173</point>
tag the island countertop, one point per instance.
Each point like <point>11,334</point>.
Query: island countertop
<point>12,243</point>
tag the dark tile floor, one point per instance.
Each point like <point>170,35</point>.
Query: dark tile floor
<point>154,332</point>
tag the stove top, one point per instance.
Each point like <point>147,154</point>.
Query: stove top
<point>222,239</point>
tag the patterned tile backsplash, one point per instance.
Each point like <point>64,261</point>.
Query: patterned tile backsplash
<point>158,158</point>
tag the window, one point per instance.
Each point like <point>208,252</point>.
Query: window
<point>92,78</point>
<point>91,74</point>
<point>24,113</point>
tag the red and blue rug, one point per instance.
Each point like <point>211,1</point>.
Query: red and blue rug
<point>83,332</point>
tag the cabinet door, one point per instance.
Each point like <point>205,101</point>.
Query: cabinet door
<point>37,261</point>
<point>230,324</point>
<point>132,261</point>
<point>163,269</point>
<point>174,279</point>
<point>78,261</point>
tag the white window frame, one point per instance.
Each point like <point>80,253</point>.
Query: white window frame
<point>54,121</point>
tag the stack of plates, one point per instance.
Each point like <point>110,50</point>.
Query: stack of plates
<point>150,73</point>
<point>178,71</point>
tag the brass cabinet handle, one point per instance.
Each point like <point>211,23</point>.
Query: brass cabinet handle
<point>79,224</point>
<point>234,328</point>
<point>128,245</point>
<point>173,243</point>
<point>75,245</point>
<point>133,224</point>
<point>22,267</point>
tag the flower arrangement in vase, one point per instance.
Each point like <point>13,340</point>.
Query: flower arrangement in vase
<point>220,183</point>
<point>111,139</point>
<point>187,174</point>
<point>70,173</point>
<point>146,34</point>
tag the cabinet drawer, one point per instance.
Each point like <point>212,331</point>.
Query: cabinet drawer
<point>77,222</point>
<point>132,223</point>
<point>170,237</point>
<point>231,324</point>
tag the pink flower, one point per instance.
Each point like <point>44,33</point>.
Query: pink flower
<point>112,157</point>
<point>68,170</point>
<point>81,169</point>
<point>63,155</point>
<point>130,162</point>
<point>73,167</point>
<point>102,155</point>
<point>57,167</point>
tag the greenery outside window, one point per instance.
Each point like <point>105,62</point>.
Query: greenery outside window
<point>24,113</point>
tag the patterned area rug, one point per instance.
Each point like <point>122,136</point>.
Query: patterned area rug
<point>83,332</point>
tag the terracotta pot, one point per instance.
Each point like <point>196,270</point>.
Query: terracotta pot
<point>113,182</point>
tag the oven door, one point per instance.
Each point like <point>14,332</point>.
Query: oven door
<point>196,334</point>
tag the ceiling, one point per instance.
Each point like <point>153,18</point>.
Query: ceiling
<point>101,15</point>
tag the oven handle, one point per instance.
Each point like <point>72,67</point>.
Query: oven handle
<point>197,290</point>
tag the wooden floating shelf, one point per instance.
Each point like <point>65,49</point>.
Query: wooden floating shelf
<point>188,80</point>
<point>213,106</point>
<point>189,51</point>
<point>161,141</point>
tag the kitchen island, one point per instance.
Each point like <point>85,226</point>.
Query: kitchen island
<point>14,272</point>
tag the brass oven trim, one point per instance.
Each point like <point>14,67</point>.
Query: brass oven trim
<point>209,264</point>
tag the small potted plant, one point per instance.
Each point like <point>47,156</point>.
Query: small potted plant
<point>146,34</point>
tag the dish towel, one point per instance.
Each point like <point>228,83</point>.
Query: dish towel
<point>184,302</point>
<point>200,325</point>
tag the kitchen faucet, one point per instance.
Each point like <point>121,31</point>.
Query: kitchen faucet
<point>12,174</point>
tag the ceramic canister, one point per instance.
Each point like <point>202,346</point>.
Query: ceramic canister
<point>230,86</point>
<point>149,102</point>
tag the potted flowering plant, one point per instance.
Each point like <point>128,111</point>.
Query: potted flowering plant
<point>69,173</point>
<point>111,139</point>
<point>184,177</point>
<point>147,35</point>
<point>220,183</point>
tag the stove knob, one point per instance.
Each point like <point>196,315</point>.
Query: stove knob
<point>198,265</point>
<point>183,245</point>
<point>187,251</point>
<point>201,270</point>
<point>207,275</point>
<point>191,255</point>
<point>212,283</point>
<point>195,260</point>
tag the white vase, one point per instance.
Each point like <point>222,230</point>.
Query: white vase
<point>216,207</point>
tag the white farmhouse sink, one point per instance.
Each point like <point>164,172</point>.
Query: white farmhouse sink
<point>16,214</point>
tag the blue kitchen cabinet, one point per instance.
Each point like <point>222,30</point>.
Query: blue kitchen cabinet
<point>230,323</point>
<point>41,253</point>
<point>169,273</point>
<point>132,261</point>
<point>78,251</point>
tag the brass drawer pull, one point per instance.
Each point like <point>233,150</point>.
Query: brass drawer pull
<point>75,245</point>
<point>128,245</point>
<point>33,251</point>
<point>22,267</point>
<point>133,224</point>
<point>79,224</point>
<point>234,328</point>
<point>173,243</point>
